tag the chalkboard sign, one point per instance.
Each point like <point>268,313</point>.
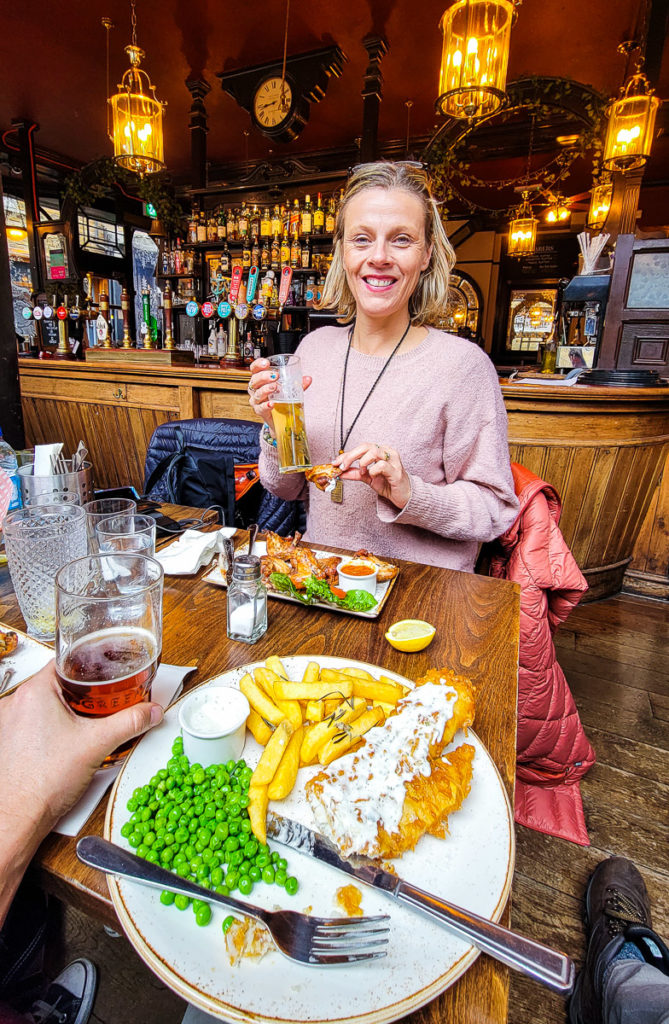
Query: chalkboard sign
<point>48,331</point>
<point>551,260</point>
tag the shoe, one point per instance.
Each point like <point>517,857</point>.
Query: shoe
<point>69,999</point>
<point>615,899</point>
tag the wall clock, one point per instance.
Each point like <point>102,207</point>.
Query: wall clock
<point>280,108</point>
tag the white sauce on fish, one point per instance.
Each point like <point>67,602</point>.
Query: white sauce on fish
<point>366,789</point>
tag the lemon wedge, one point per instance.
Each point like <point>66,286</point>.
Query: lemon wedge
<point>410,634</point>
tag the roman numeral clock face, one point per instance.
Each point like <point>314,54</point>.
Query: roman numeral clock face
<point>272,104</point>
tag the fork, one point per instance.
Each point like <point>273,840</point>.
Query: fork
<point>317,941</point>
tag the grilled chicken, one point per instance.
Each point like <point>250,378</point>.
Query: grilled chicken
<point>387,571</point>
<point>8,642</point>
<point>323,477</point>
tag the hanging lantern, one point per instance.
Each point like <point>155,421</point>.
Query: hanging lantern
<point>137,120</point>
<point>631,122</point>
<point>523,230</point>
<point>600,204</point>
<point>558,212</point>
<point>474,57</point>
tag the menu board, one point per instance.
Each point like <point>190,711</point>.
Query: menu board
<point>49,331</point>
<point>551,260</point>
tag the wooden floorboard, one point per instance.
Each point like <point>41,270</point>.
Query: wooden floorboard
<point>615,655</point>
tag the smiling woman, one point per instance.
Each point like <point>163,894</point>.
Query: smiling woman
<point>412,417</point>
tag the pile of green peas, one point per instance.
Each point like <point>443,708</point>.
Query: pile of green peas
<point>194,822</point>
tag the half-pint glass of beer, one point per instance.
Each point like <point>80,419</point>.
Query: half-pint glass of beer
<point>288,415</point>
<point>108,633</point>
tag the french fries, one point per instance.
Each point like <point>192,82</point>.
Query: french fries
<point>257,811</point>
<point>271,756</point>
<point>315,719</point>
<point>267,679</point>
<point>258,728</point>
<point>285,775</point>
<point>266,708</point>
<point>317,735</point>
<point>347,737</point>
<point>342,687</point>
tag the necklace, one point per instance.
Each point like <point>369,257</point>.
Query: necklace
<point>337,494</point>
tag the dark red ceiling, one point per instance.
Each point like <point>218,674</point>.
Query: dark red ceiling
<point>54,70</point>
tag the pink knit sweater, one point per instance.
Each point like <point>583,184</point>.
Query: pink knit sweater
<point>439,405</point>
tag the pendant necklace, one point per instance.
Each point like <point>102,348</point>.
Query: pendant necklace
<point>337,493</point>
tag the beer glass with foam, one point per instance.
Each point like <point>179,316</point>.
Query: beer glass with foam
<point>288,415</point>
<point>108,633</point>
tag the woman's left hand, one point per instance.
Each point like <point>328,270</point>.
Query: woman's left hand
<point>379,466</point>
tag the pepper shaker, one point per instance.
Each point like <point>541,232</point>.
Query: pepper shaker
<point>247,601</point>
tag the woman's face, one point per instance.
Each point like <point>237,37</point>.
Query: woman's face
<point>384,249</point>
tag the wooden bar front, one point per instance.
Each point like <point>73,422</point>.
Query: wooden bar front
<point>603,449</point>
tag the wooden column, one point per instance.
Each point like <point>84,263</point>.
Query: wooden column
<point>376,47</point>
<point>198,88</point>
<point>11,416</point>
<point>622,216</point>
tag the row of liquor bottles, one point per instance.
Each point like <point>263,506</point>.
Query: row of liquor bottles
<point>265,253</point>
<point>235,224</point>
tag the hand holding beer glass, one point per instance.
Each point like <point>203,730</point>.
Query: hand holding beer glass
<point>288,415</point>
<point>108,633</point>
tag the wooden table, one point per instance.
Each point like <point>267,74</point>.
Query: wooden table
<point>477,621</point>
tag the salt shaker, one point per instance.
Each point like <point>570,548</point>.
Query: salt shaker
<point>247,601</point>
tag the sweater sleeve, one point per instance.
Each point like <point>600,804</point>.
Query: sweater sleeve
<point>477,500</point>
<point>289,486</point>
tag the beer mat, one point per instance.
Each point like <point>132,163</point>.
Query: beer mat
<point>193,549</point>
<point>166,687</point>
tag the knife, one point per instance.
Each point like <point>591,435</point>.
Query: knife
<point>545,965</point>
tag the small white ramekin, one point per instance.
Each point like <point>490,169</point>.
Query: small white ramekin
<point>219,736</point>
<point>348,582</point>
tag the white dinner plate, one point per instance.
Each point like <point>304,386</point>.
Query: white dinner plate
<point>29,657</point>
<point>217,577</point>
<point>472,867</point>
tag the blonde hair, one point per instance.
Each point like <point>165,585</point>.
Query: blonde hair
<point>429,300</point>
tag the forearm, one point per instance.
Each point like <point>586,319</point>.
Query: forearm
<point>20,837</point>
<point>462,510</point>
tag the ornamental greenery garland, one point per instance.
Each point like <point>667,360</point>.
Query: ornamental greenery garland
<point>450,171</point>
<point>96,179</point>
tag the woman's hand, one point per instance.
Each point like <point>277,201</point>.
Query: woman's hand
<point>381,468</point>
<point>263,384</point>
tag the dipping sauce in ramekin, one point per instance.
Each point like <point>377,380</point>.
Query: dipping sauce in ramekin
<point>213,724</point>
<point>357,574</point>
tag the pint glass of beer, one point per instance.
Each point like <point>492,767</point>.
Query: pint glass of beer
<point>108,633</point>
<point>288,415</point>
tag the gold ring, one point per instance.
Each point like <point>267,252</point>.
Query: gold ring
<point>251,389</point>
<point>386,455</point>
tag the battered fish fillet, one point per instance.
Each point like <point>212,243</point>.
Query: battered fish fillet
<point>397,786</point>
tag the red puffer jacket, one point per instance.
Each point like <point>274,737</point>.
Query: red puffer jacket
<point>553,752</point>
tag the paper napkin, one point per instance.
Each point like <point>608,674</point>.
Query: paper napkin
<point>43,454</point>
<point>192,550</point>
<point>166,688</point>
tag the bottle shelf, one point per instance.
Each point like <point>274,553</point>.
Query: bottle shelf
<point>239,244</point>
<point>168,277</point>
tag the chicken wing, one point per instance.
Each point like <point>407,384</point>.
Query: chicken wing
<point>281,546</point>
<point>387,571</point>
<point>323,477</point>
<point>8,642</point>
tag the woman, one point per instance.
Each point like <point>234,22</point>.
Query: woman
<point>413,417</point>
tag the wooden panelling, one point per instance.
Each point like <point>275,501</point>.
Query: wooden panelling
<point>604,456</point>
<point>226,405</point>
